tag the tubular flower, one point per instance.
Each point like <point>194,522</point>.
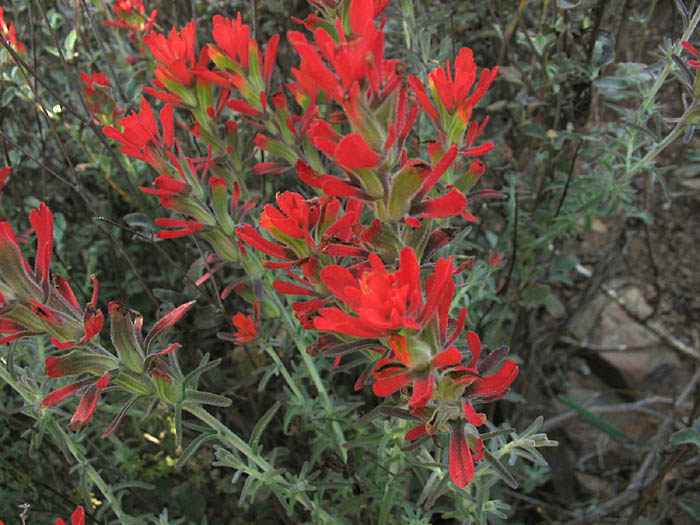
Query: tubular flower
<point>350,151</point>
<point>358,59</point>
<point>305,228</point>
<point>386,303</point>
<point>77,518</point>
<point>695,64</point>
<point>248,327</point>
<point>408,366</point>
<point>88,388</point>
<point>247,331</point>
<point>131,15</point>
<point>453,94</point>
<point>141,138</point>
<point>240,61</point>
<point>9,34</point>
<point>454,97</point>
<point>477,381</point>
<point>29,303</point>
<point>4,173</point>
<point>135,357</point>
<point>100,104</point>
<point>464,451</point>
<point>175,74</point>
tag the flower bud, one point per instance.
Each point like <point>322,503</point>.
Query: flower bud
<point>124,338</point>
<point>78,362</point>
<point>168,391</point>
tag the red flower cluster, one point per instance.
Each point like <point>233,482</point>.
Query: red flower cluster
<point>176,77</point>
<point>9,34</point>
<point>392,308</point>
<point>4,174</point>
<point>140,137</point>
<point>77,518</point>
<point>695,64</point>
<point>358,108</point>
<point>99,101</point>
<point>131,15</point>
<point>29,303</point>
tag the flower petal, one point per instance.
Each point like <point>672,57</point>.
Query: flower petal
<point>461,464</point>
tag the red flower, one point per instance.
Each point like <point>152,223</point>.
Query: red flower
<point>99,101</point>
<point>175,54</point>
<point>453,94</point>
<point>4,173</point>
<point>359,59</point>
<point>35,306</point>
<point>240,60</point>
<point>386,303</point>
<point>248,327</point>
<point>186,227</point>
<point>88,401</point>
<point>131,15</point>
<point>350,151</point>
<point>461,460</point>
<point>690,49</point>
<point>93,79</point>
<point>306,228</point>
<point>177,70</point>
<point>77,518</point>
<point>9,34</point>
<point>475,378</point>
<point>408,366</point>
<point>141,138</point>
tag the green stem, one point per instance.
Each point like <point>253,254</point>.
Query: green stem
<point>230,438</point>
<point>227,435</point>
<point>91,472</point>
<point>285,373</point>
<point>31,398</point>
<point>313,373</point>
<point>656,150</point>
<point>667,68</point>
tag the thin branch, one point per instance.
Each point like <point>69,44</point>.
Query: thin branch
<point>568,178</point>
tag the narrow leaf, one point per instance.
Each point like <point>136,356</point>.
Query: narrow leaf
<point>595,419</point>
<point>499,469</point>
<point>262,423</point>
<point>687,435</point>
<point>193,447</point>
<point>113,426</point>
<point>349,347</point>
<point>206,398</point>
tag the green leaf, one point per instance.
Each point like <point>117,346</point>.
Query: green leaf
<point>7,96</point>
<point>595,419</point>
<point>554,306</point>
<point>532,130</point>
<point>132,485</point>
<point>499,469</point>
<point>193,447</point>
<point>533,428</point>
<point>535,295</point>
<point>69,44</point>
<point>687,435</point>
<point>564,263</point>
<point>387,504</point>
<point>206,398</point>
<point>262,423</point>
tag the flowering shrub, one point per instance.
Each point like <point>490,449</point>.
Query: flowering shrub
<point>360,255</point>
